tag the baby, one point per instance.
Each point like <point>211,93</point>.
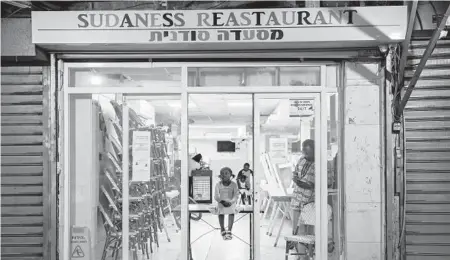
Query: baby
<point>226,194</point>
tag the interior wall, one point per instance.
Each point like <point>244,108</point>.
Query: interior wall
<point>236,160</point>
<point>362,162</point>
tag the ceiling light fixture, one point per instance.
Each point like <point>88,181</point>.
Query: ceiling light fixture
<point>239,104</point>
<point>177,104</point>
<point>96,79</point>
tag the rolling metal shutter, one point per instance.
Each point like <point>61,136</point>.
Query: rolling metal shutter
<point>24,220</point>
<point>427,132</point>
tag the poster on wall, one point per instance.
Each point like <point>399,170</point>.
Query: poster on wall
<point>301,107</point>
<point>141,156</point>
<point>278,148</point>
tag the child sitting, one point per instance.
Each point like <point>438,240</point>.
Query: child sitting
<point>226,194</point>
<point>244,183</point>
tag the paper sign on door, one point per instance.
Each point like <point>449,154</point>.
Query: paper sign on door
<point>301,107</point>
<point>81,244</point>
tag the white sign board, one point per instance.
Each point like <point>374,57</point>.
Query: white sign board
<point>278,148</point>
<point>380,24</point>
<point>301,107</point>
<point>81,249</point>
<point>141,149</point>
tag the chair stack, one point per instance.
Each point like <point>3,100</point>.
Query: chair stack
<point>147,198</point>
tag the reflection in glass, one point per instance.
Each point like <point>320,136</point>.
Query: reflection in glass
<point>300,76</point>
<point>125,77</point>
<point>288,161</point>
<point>220,129</point>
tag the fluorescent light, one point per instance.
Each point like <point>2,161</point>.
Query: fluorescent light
<point>220,135</point>
<point>239,104</point>
<point>177,104</point>
<point>96,80</point>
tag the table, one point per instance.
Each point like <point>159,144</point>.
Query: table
<point>204,208</point>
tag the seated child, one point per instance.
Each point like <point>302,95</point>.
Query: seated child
<point>244,183</point>
<point>226,194</point>
<point>244,189</point>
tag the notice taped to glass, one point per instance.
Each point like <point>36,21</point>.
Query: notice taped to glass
<point>301,107</point>
<point>141,156</point>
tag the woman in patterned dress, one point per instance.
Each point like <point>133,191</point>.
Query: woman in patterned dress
<point>303,178</point>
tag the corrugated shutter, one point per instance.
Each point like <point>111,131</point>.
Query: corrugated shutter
<point>22,164</point>
<point>427,132</point>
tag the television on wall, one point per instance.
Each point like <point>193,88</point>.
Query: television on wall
<point>226,147</point>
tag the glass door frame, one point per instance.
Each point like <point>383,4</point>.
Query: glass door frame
<point>320,139</point>
<point>184,90</point>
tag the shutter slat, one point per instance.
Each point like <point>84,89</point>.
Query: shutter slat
<point>23,249</point>
<point>22,210</point>
<point>22,221</point>
<point>22,231</point>
<point>21,99</point>
<point>22,180</point>
<point>22,190</point>
<point>21,70</point>
<point>16,89</point>
<point>24,79</point>
<point>22,150</point>
<point>21,140</point>
<point>19,119</point>
<point>27,241</point>
<point>22,109</point>
<point>22,200</point>
<point>22,170</point>
<point>18,160</point>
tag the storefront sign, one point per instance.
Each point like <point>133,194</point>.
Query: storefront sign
<point>209,26</point>
<point>278,148</point>
<point>80,244</point>
<point>141,156</point>
<point>301,107</point>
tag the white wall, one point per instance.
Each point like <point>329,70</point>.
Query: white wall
<point>236,160</point>
<point>362,162</point>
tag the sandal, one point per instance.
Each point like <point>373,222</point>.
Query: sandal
<point>229,236</point>
<point>224,235</point>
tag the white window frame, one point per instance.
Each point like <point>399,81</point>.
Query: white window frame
<point>318,92</point>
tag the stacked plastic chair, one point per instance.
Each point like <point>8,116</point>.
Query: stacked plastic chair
<point>147,199</point>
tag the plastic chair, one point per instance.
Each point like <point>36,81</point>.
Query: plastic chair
<point>307,218</point>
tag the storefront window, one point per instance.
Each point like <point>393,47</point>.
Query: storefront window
<point>236,77</point>
<point>124,77</point>
<point>150,182</point>
<point>255,76</point>
<point>125,167</point>
<point>300,76</point>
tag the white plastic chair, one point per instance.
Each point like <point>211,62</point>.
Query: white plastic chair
<point>307,218</point>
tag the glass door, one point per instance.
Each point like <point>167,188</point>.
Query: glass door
<point>290,175</point>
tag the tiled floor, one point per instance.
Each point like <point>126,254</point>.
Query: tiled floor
<point>211,246</point>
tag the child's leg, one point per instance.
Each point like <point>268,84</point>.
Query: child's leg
<point>230,222</point>
<point>222,223</point>
<point>249,198</point>
<point>243,198</point>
